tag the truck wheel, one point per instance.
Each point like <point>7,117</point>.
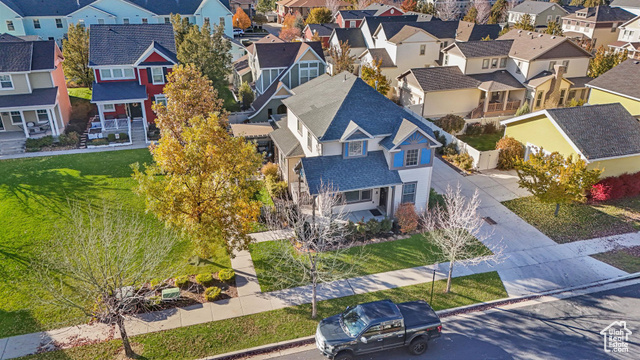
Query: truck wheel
<point>344,356</point>
<point>418,346</point>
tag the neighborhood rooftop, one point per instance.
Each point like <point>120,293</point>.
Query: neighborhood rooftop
<point>399,31</point>
<point>471,49</point>
<point>623,79</point>
<point>533,7</point>
<point>283,54</point>
<point>530,45</point>
<point>468,31</point>
<point>19,56</point>
<point>602,14</point>
<point>351,35</point>
<point>124,44</point>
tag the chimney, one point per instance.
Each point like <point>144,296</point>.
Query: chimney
<point>553,96</point>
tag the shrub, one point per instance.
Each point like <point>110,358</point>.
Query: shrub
<point>463,161</point>
<point>386,225</point>
<point>450,149</point>
<point>123,136</point>
<point>204,279</point>
<point>601,192</point>
<point>270,169</point>
<point>490,128</point>
<point>212,293</point>
<point>154,300</point>
<point>474,129</point>
<point>435,199</point>
<point>450,123</point>
<point>612,188</point>
<point>111,137</point>
<point>276,189</point>
<point>510,150</point>
<point>37,144</point>
<point>154,283</point>
<point>69,139</point>
<point>575,102</point>
<point>226,275</point>
<point>99,142</point>
<point>181,281</point>
<point>441,139</point>
<point>407,218</point>
<point>524,109</point>
<point>373,227</point>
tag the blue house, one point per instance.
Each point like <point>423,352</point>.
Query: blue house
<point>50,19</point>
<point>339,131</point>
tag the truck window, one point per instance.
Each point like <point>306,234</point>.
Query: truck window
<point>373,331</point>
<point>354,321</point>
<point>391,326</point>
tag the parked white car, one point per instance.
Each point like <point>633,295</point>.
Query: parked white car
<point>238,32</point>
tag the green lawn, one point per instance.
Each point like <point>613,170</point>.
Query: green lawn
<point>625,259</point>
<point>482,142</point>
<point>223,336</point>
<point>82,93</point>
<point>367,259</point>
<point>579,221</point>
<point>230,103</point>
<point>34,195</point>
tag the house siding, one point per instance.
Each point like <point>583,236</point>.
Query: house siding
<point>615,167</point>
<point>539,131</point>
<point>459,102</point>
<point>598,96</point>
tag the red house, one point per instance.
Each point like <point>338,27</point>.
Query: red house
<point>130,64</point>
<point>353,18</point>
<point>323,31</point>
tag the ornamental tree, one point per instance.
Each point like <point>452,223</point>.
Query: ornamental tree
<point>241,19</point>
<point>604,61</point>
<point>372,75</point>
<point>75,49</point>
<point>498,12</point>
<point>471,14</point>
<point>341,58</point>
<point>409,5</point>
<point>555,179</point>
<point>320,15</point>
<point>524,23</point>
<point>553,28</point>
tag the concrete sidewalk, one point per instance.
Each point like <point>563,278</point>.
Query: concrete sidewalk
<point>74,151</point>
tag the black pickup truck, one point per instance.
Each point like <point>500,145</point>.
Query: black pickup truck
<point>376,326</point>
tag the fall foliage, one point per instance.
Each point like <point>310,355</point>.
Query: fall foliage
<point>372,75</point>
<point>320,15</point>
<point>289,31</point>
<point>409,5</point>
<point>604,61</point>
<point>75,49</point>
<point>341,58</point>
<point>241,19</point>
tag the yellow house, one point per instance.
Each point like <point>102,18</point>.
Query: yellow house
<point>618,85</point>
<point>605,136</point>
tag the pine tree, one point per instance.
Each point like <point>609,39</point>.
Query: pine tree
<point>75,49</point>
<point>181,27</point>
<point>524,23</point>
<point>498,12</point>
<point>553,28</point>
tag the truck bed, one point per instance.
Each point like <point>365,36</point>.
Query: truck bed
<point>418,314</point>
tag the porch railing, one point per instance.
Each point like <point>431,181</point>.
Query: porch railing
<point>495,109</point>
<point>116,124</point>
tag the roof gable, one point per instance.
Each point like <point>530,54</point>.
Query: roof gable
<point>622,79</point>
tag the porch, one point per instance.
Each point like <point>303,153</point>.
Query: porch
<point>501,95</point>
<point>119,105</point>
<point>25,124</point>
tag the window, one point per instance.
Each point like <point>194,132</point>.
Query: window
<point>145,20</point>
<point>503,62</point>
<point>423,49</point>
<point>357,196</point>
<point>101,21</point>
<point>518,64</point>
<point>36,23</point>
<point>81,23</point>
<point>128,73</point>
<point>494,63</point>
<point>485,63</point>
<point>105,73</point>
<point>551,65</point>
<point>308,71</point>
<point>309,140</point>
<point>117,73</point>
<point>446,60</point>
<point>549,18</point>
<point>409,193</point>
<point>51,38</point>
<point>109,107</point>
<point>566,65</point>
<point>161,99</point>
<point>411,157</point>
<point>352,24</point>
<point>563,92</point>
<point>167,20</point>
<point>444,44</point>
<point>10,26</point>
<point>125,20</point>
<point>572,94</point>
<point>557,18</point>
<point>355,148</point>
<point>59,23</point>
<point>299,127</point>
<point>539,99</point>
<point>16,118</point>
<point>157,75</point>
<point>5,82</point>
<point>43,116</point>
<point>614,27</point>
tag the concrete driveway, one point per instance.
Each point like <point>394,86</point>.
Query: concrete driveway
<point>501,185</point>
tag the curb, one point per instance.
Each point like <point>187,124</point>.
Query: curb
<point>442,313</point>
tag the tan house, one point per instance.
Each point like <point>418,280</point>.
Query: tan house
<point>33,92</point>
<point>303,7</point>
<point>494,78</point>
<point>629,38</point>
<point>606,136</point>
<point>596,26</point>
<point>618,85</point>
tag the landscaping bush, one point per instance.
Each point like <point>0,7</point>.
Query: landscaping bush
<point>575,102</point>
<point>510,150</point>
<point>154,283</point>
<point>463,161</point>
<point>276,189</point>
<point>618,187</point>
<point>435,199</point>
<point>153,133</point>
<point>450,123</point>
<point>441,139</point>
<point>524,109</point>
<point>123,137</point>
<point>69,139</point>
<point>450,149</point>
<point>490,128</point>
<point>270,169</point>
<point>99,142</point>
<point>181,281</point>
<point>226,275</point>
<point>37,144</point>
<point>474,129</point>
<point>373,227</point>
<point>386,225</point>
<point>111,137</point>
<point>204,279</point>
<point>212,293</point>
<point>407,218</point>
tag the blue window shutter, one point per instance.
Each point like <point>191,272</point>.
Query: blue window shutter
<point>346,149</point>
<point>425,157</point>
<point>398,159</point>
<point>364,147</point>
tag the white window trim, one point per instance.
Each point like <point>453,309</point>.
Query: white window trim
<point>406,156</point>
<point>61,24</point>
<point>153,80</point>
<point>46,112</point>
<point>128,21</point>
<point>162,97</point>
<point>11,80</point>
<point>359,153</point>
<point>37,21</point>
<point>415,192</point>
<point>123,77</point>
<point>108,107</point>
<point>310,62</point>
<point>21,117</point>
<point>9,24</point>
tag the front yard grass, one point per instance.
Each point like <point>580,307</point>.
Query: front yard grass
<point>624,259</point>
<point>579,221</point>
<point>483,142</point>
<point>368,259</point>
<point>223,336</point>
<point>81,92</point>
<point>34,195</point>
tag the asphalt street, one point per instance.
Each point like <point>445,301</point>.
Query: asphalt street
<point>562,329</point>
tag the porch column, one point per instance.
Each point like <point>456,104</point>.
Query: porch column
<point>53,123</point>
<point>101,114</point>
<point>145,125</point>
<point>486,101</point>
<point>24,123</point>
<point>506,100</point>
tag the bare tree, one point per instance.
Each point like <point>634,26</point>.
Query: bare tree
<point>484,10</point>
<point>333,5</point>
<point>455,230</point>
<point>99,261</point>
<point>448,10</point>
<point>361,4</point>
<point>318,229</point>
<point>341,58</point>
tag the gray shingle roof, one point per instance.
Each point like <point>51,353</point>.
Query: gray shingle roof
<point>123,44</point>
<point>600,131</point>
<point>286,141</point>
<point>533,7</point>
<point>322,29</point>
<point>443,78</point>
<point>39,97</point>
<point>326,105</point>
<point>282,54</point>
<point>374,21</point>
<point>27,55</point>
<point>626,3</point>
<point>602,14</point>
<point>356,14</point>
<point>471,49</point>
<point>500,80</point>
<point>115,91</point>
<point>383,56</point>
<point>468,31</point>
<point>352,35</point>
<point>623,79</point>
<point>439,29</point>
<point>335,171</point>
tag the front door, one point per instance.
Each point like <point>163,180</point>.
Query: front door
<point>135,110</point>
<point>383,198</point>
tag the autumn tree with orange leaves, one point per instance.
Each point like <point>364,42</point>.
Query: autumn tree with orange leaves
<point>241,19</point>
<point>289,31</point>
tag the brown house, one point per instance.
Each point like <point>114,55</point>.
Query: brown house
<point>303,7</point>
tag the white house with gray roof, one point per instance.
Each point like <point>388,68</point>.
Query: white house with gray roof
<point>541,13</point>
<point>340,132</point>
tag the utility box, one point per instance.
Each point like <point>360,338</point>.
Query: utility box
<point>170,294</point>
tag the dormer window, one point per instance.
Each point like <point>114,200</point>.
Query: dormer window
<point>411,157</point>
<point>157,75</point>
<point>355,148</point>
